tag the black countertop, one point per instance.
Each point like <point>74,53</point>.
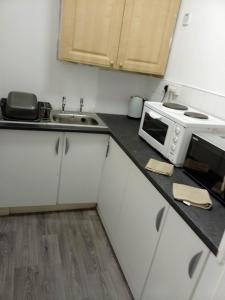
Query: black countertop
<point>208,225</point>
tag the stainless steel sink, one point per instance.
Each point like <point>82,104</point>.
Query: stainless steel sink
<point>76,119</point>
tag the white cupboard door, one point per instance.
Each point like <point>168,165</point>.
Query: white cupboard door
<point>141,221</point>
<point>29,167</point>
<point>179,259</point>
<point>209,280</point>
<point>112,188</point>
<point>82,163</point>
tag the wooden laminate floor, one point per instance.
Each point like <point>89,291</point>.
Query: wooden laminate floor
<point>58,256</point>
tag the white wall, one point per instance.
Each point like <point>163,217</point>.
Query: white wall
<point>197,59</point>
<point>28,47</point>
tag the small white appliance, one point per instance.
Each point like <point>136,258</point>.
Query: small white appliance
<point>135,107</point>
<point>168,127</point>
<point>205,162</point>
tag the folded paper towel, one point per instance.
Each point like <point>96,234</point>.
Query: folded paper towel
<point>191,195</point>
<point>160,167</point>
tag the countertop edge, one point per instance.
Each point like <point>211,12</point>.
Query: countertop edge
<point>53,127</point>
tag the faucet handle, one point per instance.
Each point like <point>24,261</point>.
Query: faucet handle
<point>63,103</point>
<point>81,104</point>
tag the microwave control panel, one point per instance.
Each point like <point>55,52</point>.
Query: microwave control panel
<point>176,145</point>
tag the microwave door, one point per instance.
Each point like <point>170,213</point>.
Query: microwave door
<point>156,130</point>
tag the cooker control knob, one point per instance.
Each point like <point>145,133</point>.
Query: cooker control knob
<point>175,139</point>
<point>177,130</point>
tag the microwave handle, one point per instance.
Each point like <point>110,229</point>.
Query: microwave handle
<point>154,115</point>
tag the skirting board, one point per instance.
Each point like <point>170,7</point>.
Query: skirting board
<point>46,208</point>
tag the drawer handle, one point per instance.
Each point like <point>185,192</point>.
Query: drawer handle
<point>159,218</point>
<point>57,146</point>
<point>67,146</point>
<point>194,263</point>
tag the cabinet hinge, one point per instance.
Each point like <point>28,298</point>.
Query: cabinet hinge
<point>107,149</point>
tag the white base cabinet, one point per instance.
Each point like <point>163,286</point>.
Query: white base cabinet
<point>82,163</point>
<point>208,286</point>
<point>140,223</point>
<point>39,168</point>
<point>160,256</point>
<point>220,292</point>
<point>112,189</point>
<point>133,213</point>
<point>29,167</point>
<point>179,260</point>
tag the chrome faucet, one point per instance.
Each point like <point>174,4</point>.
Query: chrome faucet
<point>63,103</point>
<point>81,104</point>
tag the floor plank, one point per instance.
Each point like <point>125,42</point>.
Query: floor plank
<point>58,256</point>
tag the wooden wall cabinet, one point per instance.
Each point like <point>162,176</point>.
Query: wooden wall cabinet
<point>90,31</point>
<point>130,35</point>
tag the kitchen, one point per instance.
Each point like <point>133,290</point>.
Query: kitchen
<point>29,32</point>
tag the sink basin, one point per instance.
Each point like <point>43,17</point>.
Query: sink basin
<point>76,118</point>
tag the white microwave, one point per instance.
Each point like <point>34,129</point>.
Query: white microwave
<point>169,132</point>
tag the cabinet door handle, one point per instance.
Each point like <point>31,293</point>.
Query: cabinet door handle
<point>57,146</point>
<point>121,65</point>
<point>194,263</point>
<point>111,62</point>
<point>67,146</point>
<point>159,218</point>
<point>107,149</point>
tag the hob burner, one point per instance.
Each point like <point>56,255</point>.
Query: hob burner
<point>175,106</point>
<point>195,115</point>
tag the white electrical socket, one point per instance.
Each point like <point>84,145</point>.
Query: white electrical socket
<point>187,19</point>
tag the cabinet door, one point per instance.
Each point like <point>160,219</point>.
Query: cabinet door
<point>146,35</point>
<point>141,220</point>
<point>82,163</point>
<point>112,188</point>
<point>29,167</point>
<point>220,292</point>
<point>90,31</point>
<point>177,265</point>
<point>209,280</point>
